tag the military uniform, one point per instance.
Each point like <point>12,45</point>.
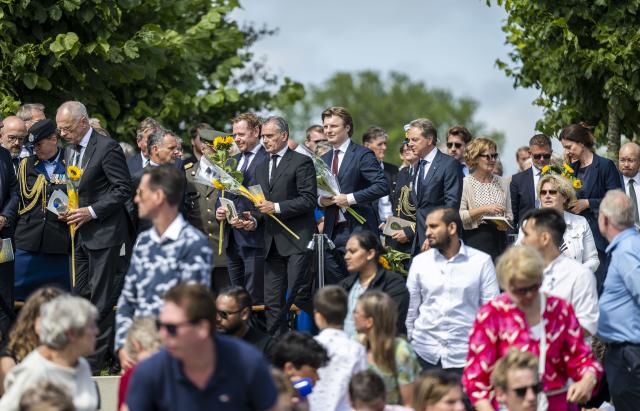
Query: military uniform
<point>206,198</point>
<point>42,241</point>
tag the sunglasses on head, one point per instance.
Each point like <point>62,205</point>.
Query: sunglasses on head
<point>539,156</point>
<point>225,314</point>
<point>522,391</point>
<point>493,156</point>
<point>456,145</point>
<point>172,329</point>
<point>526,290</point>
<point>550,192</point>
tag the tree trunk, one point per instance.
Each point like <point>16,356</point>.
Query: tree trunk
<point>613,135</point>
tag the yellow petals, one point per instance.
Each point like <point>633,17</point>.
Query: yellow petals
<point>218,185</point>
<point>577,184</point>
<point>74,173</point>
<point>568,168</point>
<point>384,263</point>
<point>545,169</point>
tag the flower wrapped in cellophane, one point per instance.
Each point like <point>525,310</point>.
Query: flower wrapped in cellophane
<point>219,179</point>
<point>395,260</point>
<point>73,181</point>
<point>328,185</point>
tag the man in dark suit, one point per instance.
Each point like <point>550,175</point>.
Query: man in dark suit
<point>362,182</point>
<point>141,160</point>
<point>375,139</point>
<point>8,216</point>
<point>101,219</point>
<point>437,180</point>
<point>523,184</point>
<point>288,181</point>
<point>245,250</point>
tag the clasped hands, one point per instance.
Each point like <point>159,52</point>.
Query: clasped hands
<point>77,216</point>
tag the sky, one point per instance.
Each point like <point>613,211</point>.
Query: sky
<point>450,44</point>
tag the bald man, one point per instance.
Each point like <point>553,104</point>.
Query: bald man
<point>12,136</point>
<point>629,164</point>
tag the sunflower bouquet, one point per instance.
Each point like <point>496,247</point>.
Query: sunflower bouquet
<point>74,174</point>
<point>562,170</point>
<point>394,260</point>
<point>328,185</point>
<point>220,179</point>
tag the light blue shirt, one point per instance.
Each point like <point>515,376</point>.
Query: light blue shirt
<point>620,300</point>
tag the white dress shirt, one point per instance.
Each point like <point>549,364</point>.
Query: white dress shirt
<point>568,279</point>
<point>384,204</point>
<point>351,199</point>
<point>536,177</point>
<point>172,232</point>
<point>83,144</point>
<point>444,297</point>
<point>243,158</point>
<point>278,160</point>
<point>346,357</point>
<point>636,185</point>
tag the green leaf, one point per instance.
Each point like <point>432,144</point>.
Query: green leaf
<point>30,80</point>
<point>71,5</point>
<point>43,83</point>
<point>55,13</point>
<point>232,95</point>
<point>130,49</point>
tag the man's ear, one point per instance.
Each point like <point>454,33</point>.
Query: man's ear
<point>501,395</point>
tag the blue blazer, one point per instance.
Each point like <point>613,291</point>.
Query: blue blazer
<point>523,194</point>
<point>602,177</point>
<point>8,193</point>
<point>360,173</point>
<point>443,188</point>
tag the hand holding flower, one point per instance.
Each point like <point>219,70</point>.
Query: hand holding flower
<point>341,200</point>
<point>78,216</point>
<point>266,207</point>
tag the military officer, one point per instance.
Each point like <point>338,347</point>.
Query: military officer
<point>42,241</point>
<point>207,197</point>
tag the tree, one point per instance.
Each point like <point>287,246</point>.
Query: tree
<point>388,102</point>
<point>180,61</point>
<point>584,57</point>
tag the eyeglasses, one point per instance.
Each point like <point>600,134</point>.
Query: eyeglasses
<point>13,139</point>
<point>628,161</point>
<point>172,329</point>
<point>68,129</point>
<point>539,156</point>
<point>525,290</point>
<point>456,145</point>
<point>493,156</point>
<point>225,314</point>
<point>522,391</point>
<point>550,192</point>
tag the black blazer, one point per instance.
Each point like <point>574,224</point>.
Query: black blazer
<point>390,283</point>
<point>443,188</point>
<point>293,187</point>
<point>105,185</point>
<point>603,176</point>
<point>134,164</point>
<point>391,174</point>
<point>523,194</point>
<point>41,231</point>
<point>8,193</point>
<point>360,173</point>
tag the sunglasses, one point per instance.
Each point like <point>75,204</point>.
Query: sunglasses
<point>525,290</point>
<point>172,329</point>
<point>522,391</point>
<point>539,156</point>
<point>550,192</point>
<point>456,145</point>
<point>225,314</point>
<point>489,156</point>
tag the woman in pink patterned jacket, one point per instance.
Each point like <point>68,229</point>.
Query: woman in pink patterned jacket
<point>513,319</point>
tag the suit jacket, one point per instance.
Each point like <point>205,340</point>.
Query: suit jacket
<point>442,188</point>
<point>8,193</point>
<point>523,194</point>
<point>105,185</point>
<point>134,164</point>
<point>294,188</point>
<point>391,174</point>
<point>244,238</point>
<point>360,173</point>
<point>603,176</point>
<point>38,230</point>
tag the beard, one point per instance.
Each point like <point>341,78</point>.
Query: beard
<point>440,243</point>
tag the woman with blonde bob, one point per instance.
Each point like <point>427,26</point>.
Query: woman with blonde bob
<point>555,191</point>
<point>484,194</point>
<point>438,391</point>
<point>525,318</point>
<point>390,357</point>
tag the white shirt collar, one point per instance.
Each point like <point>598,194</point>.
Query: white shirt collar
<point>636,179</point>
<point>281,152</point>
<point>85,139</point>
<point>431,156</point>
<point>172,232</point>
<point>344,146</point>
<point>461,252</point>
<point>256,148</point>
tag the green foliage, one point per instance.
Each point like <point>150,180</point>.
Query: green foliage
<point>180,61</point>
<point>388,102</point>
<point>583,56</point>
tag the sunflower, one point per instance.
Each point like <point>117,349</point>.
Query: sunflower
<point>218,185</point>
<point>577,184</point>
<point>545,169</point>
<point>568,168</point>
<point>74,173</point>
<point>229,140</point>
<point>217,141</point>
<point>384,262</point>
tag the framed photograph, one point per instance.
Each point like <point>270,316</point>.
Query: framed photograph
<point>58,202</point>
<point>231,208</point>
<point>6,251</point>
<point>502,223</point>
<point>395,224</point>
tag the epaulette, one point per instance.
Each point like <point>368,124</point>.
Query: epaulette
<point>188,166</point>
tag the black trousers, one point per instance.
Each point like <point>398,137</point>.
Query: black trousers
<point>99,279</point>
<point>622,367</point>
<point>7,316</point>
<point>246,269</point>
<point>290,276</point>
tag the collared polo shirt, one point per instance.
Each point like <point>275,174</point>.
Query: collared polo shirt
<point>241,381</point>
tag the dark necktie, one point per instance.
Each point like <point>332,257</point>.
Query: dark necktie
<point>274,162</point>
<point>246,156</point>
<point>334,162</point>
<point>420,176</point>
<point>77,150</point>
<point>634,200</point>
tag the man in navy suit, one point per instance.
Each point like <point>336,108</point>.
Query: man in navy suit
<point>437,180</point>
<point>523,184</point>
<point>245,250</point>
<point>362,182</point>
<point>136,163</point>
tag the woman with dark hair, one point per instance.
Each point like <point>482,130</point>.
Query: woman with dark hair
<point>597,175</point>
<point>362,256</point>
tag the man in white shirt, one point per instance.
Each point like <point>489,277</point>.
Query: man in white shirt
<point>564,277</point>
<point>447,285</point>
<point>347,357</point>
<point>629,164</point>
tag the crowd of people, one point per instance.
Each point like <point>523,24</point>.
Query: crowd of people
<point>442,284</point>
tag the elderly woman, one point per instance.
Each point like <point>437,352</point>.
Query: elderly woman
<point>525,318</point>
<point>484,195</point>
<point>67,333</point>
<point>556,192</point>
